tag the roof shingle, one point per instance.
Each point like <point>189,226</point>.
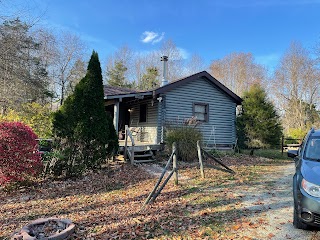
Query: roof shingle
<point>112,90</point>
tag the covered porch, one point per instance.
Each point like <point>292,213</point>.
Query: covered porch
<point>138,111</point>
<point>141,145</point>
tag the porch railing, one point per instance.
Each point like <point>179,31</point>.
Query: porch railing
<point>128,133</point>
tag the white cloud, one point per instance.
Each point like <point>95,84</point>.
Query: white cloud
<point>151,37</point>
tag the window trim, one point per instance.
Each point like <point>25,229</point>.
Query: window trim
<point>146,112</point>
<point>206,105</point>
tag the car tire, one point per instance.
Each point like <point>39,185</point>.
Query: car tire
<point>297,223</point>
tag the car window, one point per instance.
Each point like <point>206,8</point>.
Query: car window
<point>312,151</point>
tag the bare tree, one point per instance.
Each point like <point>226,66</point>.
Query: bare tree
<point>195,64</point>
<point>77,72</point>
<point>139,64</point>
<point>69,49</point>
<point>296,86</point>
<point>152,60</point>
<point>317,52</point>
<point>47,52</point>
<point>238,71</point>
<point>175,60</point>
<point>127,57</point>
<point>48,48</point>
<point>29,11</point>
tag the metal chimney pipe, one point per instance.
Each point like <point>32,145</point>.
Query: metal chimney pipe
<point>164,80</point>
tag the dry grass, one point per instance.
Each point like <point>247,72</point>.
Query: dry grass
<point>107,204</point>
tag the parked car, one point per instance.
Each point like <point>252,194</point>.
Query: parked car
<point>306,181</point>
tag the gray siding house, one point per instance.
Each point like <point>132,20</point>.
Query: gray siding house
<point>200,96</point>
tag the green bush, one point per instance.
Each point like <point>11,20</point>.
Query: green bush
<point>186,138</point>
<point>258,124</point>
<point>296,133</point>
<point>84,135</point>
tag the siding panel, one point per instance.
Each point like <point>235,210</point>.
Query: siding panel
<point>149,128</point>
<point>222,110</point>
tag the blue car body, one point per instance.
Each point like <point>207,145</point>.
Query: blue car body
<point>306,181</point>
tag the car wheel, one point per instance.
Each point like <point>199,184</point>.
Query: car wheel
<point>297,223</point>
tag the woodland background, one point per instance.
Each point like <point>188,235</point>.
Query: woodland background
<point>39,69</point>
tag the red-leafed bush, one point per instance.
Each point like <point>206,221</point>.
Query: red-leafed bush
<point>19,158</point>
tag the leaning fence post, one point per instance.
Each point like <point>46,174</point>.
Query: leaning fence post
<point>200,159</point>
<point>174,163</point>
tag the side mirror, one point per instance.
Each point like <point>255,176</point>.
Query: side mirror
<point>292,153</point>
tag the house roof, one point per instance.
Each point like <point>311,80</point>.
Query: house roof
<point>196,76</point>
<point>111,92</point>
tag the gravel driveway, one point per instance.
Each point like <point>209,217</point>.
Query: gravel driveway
<point>272,204</point>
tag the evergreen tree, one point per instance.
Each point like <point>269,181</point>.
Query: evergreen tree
<point>150,79</point>
<point>116,76</point>
<point>23,75</point>
<point>258,124</point>
<point>84,132</point>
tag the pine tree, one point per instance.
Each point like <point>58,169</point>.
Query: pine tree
<point>23,75</point>
<point>84,132</point>
<point>150,79</point>
<point>116,76</point>
<point>258,125</point>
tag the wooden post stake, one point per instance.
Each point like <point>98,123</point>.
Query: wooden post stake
<point>161,187</point>
<point>160,179</point>
<point>132,154</point>
<point>174,163</point>
<point>125,142</point>
<point>200,159</point>
<point>282,144</point>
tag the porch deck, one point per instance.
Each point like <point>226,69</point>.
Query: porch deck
<point>141,145</point>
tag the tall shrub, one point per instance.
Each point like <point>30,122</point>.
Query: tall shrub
<point>186,138</point>
<point>19,159</point>
<point>259,124</point>
<point>84,133</point>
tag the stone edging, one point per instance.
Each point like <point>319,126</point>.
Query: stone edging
<point>24,232</point>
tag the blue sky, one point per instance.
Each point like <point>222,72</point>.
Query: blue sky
<point>211,29</point>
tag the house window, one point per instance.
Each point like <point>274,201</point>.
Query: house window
<point>143,113</point>
<point>201,111</point>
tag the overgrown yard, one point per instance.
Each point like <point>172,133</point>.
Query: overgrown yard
<point>108,204</point>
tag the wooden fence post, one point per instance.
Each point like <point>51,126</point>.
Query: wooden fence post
<point>125,142</point>
<point>200,159</point>
<point>282,144</point>
<point>152,196</point>
<point>132,154</point>
<point>174,163</point>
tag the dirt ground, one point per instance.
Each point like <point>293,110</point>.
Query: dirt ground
<point>269,205</point>
<point>254,203</point>
<point>271,200</point>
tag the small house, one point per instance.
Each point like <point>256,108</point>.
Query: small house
<point>200,96</point>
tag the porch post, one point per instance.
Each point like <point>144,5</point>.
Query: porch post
<point>116,116</point>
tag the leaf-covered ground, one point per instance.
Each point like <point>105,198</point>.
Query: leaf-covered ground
<point>108,204</point>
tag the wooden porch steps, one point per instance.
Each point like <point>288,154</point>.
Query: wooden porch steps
<point>141,154</point>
